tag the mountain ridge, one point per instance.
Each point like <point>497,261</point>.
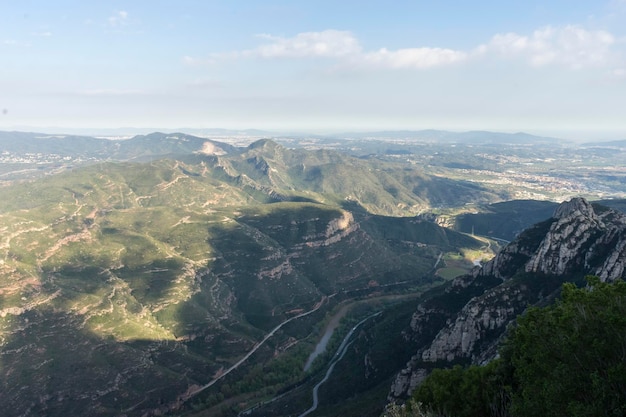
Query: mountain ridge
<point>529,270</point>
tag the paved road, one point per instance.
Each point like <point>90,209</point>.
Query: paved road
<point>254,349</point>
<point>343,347</point>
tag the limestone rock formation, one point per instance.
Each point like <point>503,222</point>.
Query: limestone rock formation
<point>582,239</point>
<point>466,323</point>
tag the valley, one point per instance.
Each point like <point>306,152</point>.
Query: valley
<point>172,274</point>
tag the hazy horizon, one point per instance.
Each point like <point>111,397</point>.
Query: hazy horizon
<point>577,136</point>
<point>555,69</point>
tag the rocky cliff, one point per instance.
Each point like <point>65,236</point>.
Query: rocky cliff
<point>467,321</point>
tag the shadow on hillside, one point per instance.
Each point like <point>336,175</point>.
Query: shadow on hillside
<point>134,336</point>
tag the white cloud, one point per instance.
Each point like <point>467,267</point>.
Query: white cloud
<point>13,42</point>
<point>340,45</point>
<point>572,46</point>
<point>419,58</point>
<point>328,43</point>
<point>189,60</point>
<point>118,19</point>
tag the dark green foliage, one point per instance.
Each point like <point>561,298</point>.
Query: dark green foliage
<point>398,230</point>
<point>567,359</point>
<point>462,392</point>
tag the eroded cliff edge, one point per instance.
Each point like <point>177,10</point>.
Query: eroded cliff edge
<point>465,323</point>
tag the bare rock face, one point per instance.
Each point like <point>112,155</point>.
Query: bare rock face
<point>505,263</point>
<point>466,323</point>
<point>406,381</point>
<point>480,316</point>
<point>576,207</point>
<point>578,239</point>
<point>581,239</point>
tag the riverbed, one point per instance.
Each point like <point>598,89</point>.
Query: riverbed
<point>343,348</point>
<point>328,332</point>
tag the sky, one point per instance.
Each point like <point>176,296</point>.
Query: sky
<point>545,67</point>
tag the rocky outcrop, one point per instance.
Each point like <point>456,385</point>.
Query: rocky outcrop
<point>582,239</point>
<point>285,268</point>
<point>466,323</point>
<point>577,238</point>
<point>336,230</point>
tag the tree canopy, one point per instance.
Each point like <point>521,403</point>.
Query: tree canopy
<point>567,359</point>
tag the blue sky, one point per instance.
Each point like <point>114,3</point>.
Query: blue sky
<point>549,67</point>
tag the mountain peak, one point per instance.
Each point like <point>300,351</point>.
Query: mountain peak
<point>578,239</point>
<point>581,239</point>
<point>263,143</point>
<point>577,206</point>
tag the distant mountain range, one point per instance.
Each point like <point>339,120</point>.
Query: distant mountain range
<point>425,135</point>
<point>609,144</point>
<point>6,138</point>
<point>442,136</point>
<point>137,147</point>
<point>135,131</point>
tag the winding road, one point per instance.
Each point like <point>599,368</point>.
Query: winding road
<point>341,351</point>
<point>251,352</point>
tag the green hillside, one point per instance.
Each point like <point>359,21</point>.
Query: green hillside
<point>124,285</point>
<point>201,279</point>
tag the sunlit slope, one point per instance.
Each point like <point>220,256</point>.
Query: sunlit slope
<point>121,284</point>
<point>328,176</point>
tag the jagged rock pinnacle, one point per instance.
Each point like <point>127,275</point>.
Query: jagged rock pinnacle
<point>576,241</point>
<point>577,206</point>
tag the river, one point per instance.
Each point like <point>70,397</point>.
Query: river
<point>345,344</point>
<point>328,332</point>
<point>198,390</point>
